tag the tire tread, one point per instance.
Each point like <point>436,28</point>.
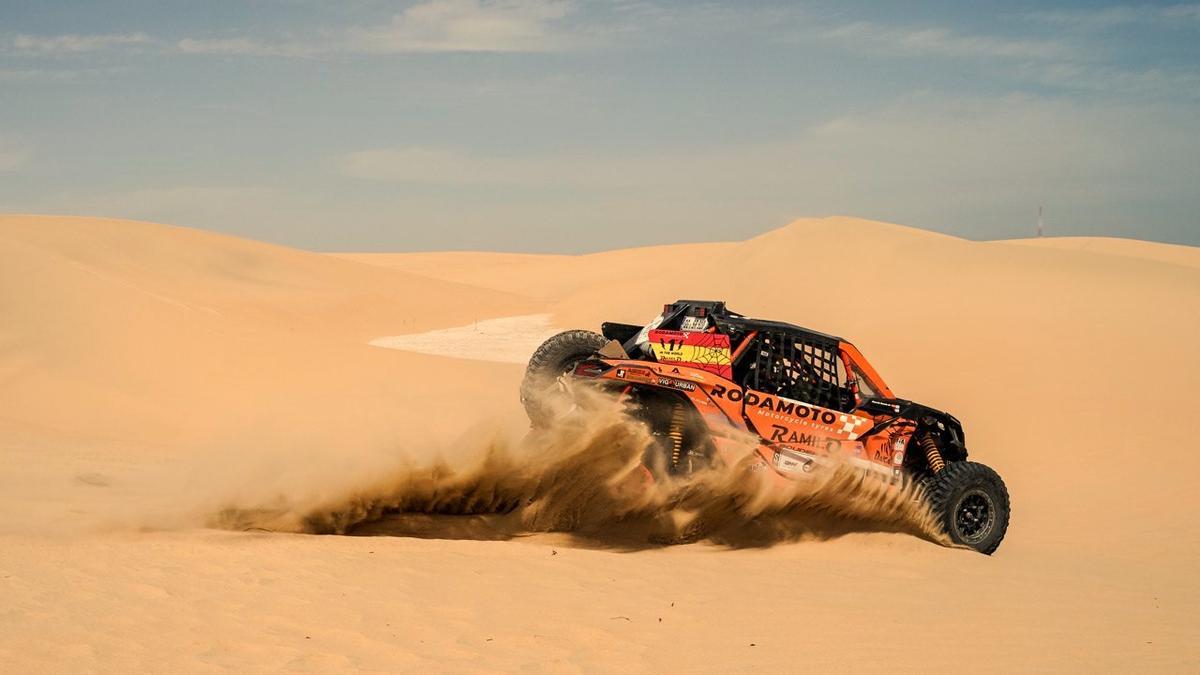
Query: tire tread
<point>943,486</point>
<point>548,359</point>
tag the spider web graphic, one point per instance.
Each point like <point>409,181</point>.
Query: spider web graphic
<point>710,350</point>
<point>707,351</point>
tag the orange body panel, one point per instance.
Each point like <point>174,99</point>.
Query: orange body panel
<point>795,435</point>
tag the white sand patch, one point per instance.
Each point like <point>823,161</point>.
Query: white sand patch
<point>509,339</point>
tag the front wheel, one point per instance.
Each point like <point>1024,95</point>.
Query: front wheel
<point>542,392</point>
<point>971,503</point>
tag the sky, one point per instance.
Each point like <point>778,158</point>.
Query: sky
<point>574,126</point>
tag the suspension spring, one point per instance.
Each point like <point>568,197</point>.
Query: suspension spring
<point>678,417</point>
<point>936,463</point>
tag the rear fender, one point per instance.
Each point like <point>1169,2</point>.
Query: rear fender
<point>621,332</point>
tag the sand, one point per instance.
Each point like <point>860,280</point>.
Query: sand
<point>152,375</point>
<point>509,339</point>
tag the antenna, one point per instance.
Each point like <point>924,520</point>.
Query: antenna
<point>1039,221</point>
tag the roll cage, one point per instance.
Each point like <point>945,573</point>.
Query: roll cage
<point>770,356</point>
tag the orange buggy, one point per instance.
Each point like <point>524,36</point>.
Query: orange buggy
<point>698,374</point>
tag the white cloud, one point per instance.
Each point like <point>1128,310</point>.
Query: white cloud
<point>152,202</point>
<point>977,165</point>
<point>443,166</point>
<point>470,26</point>
<point>1189,12</point>
<point>433,26</point>
<point>1069,64</point>
<point>245,47</point>
<point>33,74</point>
<point>12,156</point>
<point>57,74</point>
<point>941,41</point>
<point>73,44</point>
<point>925,156</point>
<point>936,159</point>
<point>1177,16</point>
<point>974,165</point>
<point>1131,84</point>
<point>10,160</point>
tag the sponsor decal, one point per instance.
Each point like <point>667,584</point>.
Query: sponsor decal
<point>676,384</point>
<point>781,406</point>
<point>794,462</point>
<point>788,436</point>
<point>720,391</point>
<point>890,449</point>
<point>707,351</point>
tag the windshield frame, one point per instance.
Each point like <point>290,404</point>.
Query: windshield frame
<point>858,365</point>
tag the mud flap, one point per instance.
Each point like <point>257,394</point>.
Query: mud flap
<point>613,350</point>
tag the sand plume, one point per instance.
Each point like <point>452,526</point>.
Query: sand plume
<point>586,476</point>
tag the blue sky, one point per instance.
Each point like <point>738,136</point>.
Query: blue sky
<point>560,125</point>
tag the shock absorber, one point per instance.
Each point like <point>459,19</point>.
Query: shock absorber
<point>678,417</point>
<point>936,463</point>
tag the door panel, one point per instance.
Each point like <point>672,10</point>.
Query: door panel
<point>799,432</point>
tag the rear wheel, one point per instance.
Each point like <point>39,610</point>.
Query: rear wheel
<point>971,503</point>
<point>542,392</point>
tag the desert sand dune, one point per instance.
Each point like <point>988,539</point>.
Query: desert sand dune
<point>153,374</point>
<point>507,340</point>
<point>540,276</point>
<point>132,327</point>
<point>1127,248</point>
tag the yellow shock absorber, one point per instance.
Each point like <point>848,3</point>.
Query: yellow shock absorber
<point>678,417</point>
<point>936,463</point>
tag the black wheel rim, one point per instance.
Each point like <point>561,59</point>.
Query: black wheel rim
<point>974,516</point>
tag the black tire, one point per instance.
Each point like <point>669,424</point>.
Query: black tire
<point>971,503</point>
<point>555,357</point>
